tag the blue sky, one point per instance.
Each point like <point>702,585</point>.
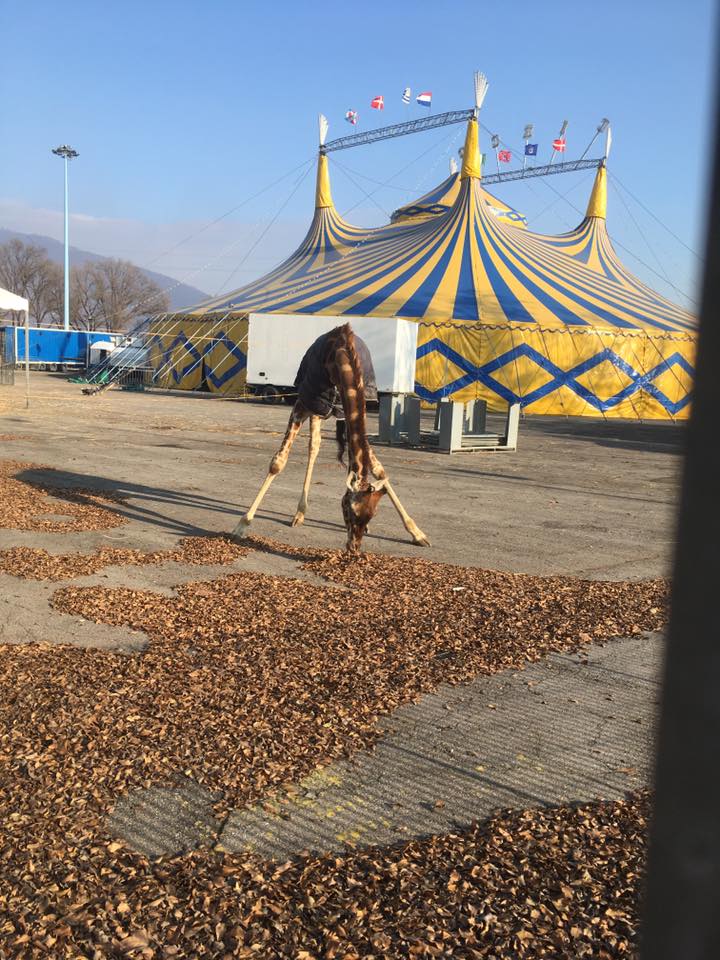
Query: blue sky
<point>182,110</point>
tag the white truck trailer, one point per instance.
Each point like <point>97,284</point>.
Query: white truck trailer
<point>277,343</point>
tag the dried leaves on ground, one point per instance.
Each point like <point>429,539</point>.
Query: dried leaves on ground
<point>249,682</point>
<point>37,564</point>
<point>561,884</point>
<point>34,504</point>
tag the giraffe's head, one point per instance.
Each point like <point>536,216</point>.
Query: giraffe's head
<point>359,506</point>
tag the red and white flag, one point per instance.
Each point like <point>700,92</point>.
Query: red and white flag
<point>424,99</point>
<point>378,103</point>
<point>559,145</point>
<point>504,156</point>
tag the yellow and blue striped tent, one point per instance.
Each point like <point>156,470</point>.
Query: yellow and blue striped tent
<point>205,348</point>
<point>555,323</point>
<point>441,199</point>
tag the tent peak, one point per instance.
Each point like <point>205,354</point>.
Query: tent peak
<point>472,164</point>
<point>597,205</point>
<point>323,196</point>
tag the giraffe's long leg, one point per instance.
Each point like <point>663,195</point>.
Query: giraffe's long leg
<point>277,465</point>
<point>412,528</point>
<point>313,450</point>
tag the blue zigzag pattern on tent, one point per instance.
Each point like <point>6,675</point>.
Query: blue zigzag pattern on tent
<point>235,351</point>
<point>166,353</point>
<point>560,378</point>
<point>195,357</point>
<point>416,211</point>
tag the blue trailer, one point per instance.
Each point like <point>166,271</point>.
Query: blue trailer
<point>52,348</point>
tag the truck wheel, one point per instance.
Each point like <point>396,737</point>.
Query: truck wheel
<point>271,394</point>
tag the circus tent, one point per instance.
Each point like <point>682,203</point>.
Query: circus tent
<point>556,323</point>
<point>442,198</point>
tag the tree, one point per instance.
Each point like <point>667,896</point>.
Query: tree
<point>111,294</point>
<point>27,270</point>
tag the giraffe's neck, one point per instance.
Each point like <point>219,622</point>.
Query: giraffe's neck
<point>347,375</point>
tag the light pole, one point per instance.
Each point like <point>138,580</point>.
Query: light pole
<point>67,153</point>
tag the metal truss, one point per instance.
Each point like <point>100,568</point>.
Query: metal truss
<point>567,167</point>
<point>398,130</point>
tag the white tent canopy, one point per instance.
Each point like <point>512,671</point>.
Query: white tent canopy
<point>11,301</point>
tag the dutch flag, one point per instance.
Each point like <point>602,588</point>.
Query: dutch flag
<point>425,99</point>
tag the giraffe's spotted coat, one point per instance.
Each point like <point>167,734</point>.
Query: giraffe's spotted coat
<point>359,504</point>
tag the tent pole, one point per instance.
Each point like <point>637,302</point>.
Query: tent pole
<point>27,358</point>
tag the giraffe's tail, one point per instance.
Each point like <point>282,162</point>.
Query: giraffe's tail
<point>341,440</point>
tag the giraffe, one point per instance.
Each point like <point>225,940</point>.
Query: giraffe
<point>332,367</point>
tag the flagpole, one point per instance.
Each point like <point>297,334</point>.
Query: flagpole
<point>495,142</point>
<point>601,128</point>
<point>527,133</point>
<point>563,128</point>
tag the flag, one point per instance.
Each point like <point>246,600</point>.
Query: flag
<point>378,103</point>
<point>406,95</point>
<point>352,117</point>
<point>531,149</point>
<point>425,99</point>
<point>559,145</point>
<point>504,156</point>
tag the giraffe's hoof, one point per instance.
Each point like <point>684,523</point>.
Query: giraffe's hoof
<point>241,530</point>
<point>420,540</point>
<point>297,519</point>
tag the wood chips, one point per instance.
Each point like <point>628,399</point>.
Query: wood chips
<point>249,682</point>
<point>560,883</point>
<point>33,563</point>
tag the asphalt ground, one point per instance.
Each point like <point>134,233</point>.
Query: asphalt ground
<point>572,728</point>
<point>582,498</point>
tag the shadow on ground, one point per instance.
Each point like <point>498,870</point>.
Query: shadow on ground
<point>651,436</point>
<point>129,500</point>
<point>134,503</point>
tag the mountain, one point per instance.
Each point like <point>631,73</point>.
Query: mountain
<point>181,295</point>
